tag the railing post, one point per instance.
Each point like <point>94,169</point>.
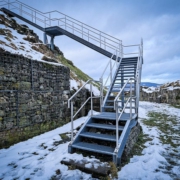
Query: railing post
<point>73,27</point>
<point>101,80</point>
<point>121,50</point>
<point>82,30</point>
<point>72,125</point>
<point>91,99</point>
<point>88,35</point>
<point>100,39</point>
<point>104,43</point>
<point>45,22</point>
<point>49,19</point>
<point>35,16</point>
<point>20,9</point>
<point>65,22</point>
<point>8,4</point>
<point>117,124</point>
<point>111,70</point>
<point>131,100</point>
<point>116,59</point>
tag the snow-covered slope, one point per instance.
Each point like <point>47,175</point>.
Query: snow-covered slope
<point>19,39</point>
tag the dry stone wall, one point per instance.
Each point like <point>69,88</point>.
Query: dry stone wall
<point>33,97</point>
<point>162,96</point>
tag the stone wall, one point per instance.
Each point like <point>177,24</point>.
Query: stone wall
<point>33,97</point>
<point>162,96</point>
<point>131,141</point>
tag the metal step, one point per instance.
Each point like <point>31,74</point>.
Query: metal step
<point>110,101</point>
<point>94,148</point>
<point>124,76</point>
<point>127,70</point>
<point>104,137</point>
<point>128,63</point>
<point>122,72</point>
<point>104,126</point>
<point>111,107</point>
<point>112,116</point>
<point>127,107</point>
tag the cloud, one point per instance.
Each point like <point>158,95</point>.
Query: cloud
<point>157,22</point>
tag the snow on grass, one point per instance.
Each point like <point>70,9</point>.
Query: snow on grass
<point>39,158</point>
<point>153,163</point>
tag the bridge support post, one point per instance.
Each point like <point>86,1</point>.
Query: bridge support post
<point>45,40</point>
<point>52,43</point>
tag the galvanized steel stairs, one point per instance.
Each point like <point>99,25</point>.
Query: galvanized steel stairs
<point>98,134</point>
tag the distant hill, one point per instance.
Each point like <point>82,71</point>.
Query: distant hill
<point>149,84</point>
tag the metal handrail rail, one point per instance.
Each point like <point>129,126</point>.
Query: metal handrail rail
<point>77,92</point>
<point>84,105</point>
<point>116,108</point>
<point>70,104</point>
<point>103,37</point>
<point>122,90</point>
<point>66,16</point>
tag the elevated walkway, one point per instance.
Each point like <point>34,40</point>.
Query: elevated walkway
<point>55,23</point>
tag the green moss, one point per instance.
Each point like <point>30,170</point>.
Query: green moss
<point>166,124</point>
<point>113,170</point>
<point>22,85</point>
<point>77,71</point>
<point>48,66</point>
<point>64,136</point>
<point>1,72</point>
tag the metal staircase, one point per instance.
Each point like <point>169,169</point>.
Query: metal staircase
<point>107,132</point>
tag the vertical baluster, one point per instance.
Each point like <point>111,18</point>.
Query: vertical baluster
<point>130,99</point>
<point>65,22</point>
<point>35,15</point>
<point>82,30</point>
<point>117,124</point>
<point>91,99</point>
<point>72,125</point>
<point>88,35</point>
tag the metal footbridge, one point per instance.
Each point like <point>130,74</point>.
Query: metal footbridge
<point>107,132</point>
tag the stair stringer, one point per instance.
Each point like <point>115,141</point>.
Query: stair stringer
<point>76,138</point>
<point>117,156</point>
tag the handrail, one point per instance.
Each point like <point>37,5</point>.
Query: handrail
<point>70,104</point>
<point>110,75</point>
<point>116,108</point>
<point>85,30</point>
<point>122,90</point>
<point>77,92</point>
<point>84,105</point>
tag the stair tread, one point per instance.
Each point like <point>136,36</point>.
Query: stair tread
<point>94,147</point>
<point>112,116</point>
<point>104,126</point>
<point>105,137</point>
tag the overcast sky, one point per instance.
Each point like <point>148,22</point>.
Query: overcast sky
<point>156,21</point>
